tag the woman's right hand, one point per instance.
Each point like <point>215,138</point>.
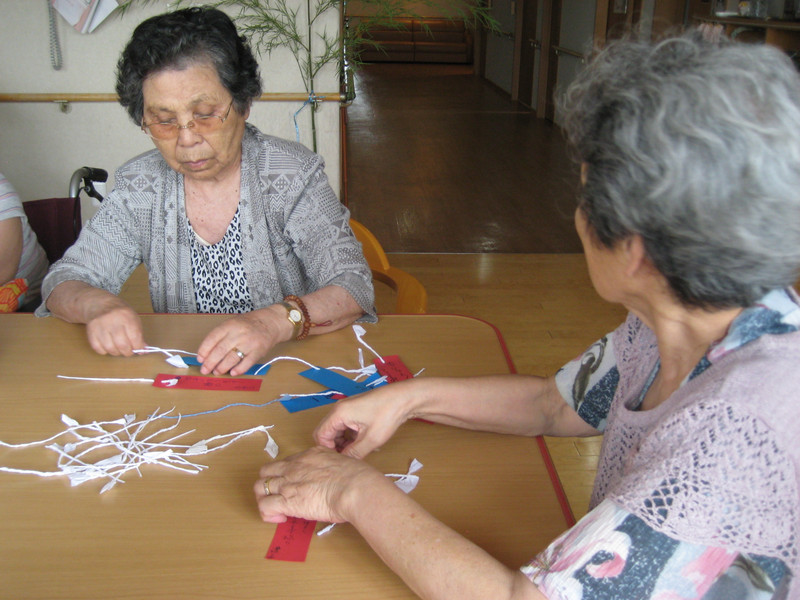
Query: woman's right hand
<point>358,425</point>
<point>112,326</point>
<point>116,330</point>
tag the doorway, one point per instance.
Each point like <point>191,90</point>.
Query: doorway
<point>500,46</point>
<point>552,37</point>
<point>575,38</point>
<point>529,34</point>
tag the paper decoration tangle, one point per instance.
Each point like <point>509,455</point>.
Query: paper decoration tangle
<point>175,359</point>
<point>341,387</point>
<point>111,449</point>
<point>170,352</point>
<point>76,463</point>
<point>182,363</point>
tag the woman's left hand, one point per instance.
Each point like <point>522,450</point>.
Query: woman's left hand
<point>317,485</point>
<point>239,343</point>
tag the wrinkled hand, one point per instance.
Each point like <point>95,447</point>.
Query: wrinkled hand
<point>116,330</point>
<point>360,424</point>
<point>317,485</point>
<point>251,334</point>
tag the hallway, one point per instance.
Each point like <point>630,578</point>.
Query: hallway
<point>474,196</point>
<point>439,160</point>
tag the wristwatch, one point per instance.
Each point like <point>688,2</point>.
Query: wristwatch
<point>295,317</point>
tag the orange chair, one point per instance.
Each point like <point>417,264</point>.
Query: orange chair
<point>411,295</point>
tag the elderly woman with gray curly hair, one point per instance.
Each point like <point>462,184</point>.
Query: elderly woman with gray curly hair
<point>689,216</point>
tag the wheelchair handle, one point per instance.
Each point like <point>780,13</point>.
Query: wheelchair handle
<point>87,175</point>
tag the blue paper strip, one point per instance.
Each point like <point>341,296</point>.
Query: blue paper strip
<point>294,405</point>
<point>262,369</point>
<point>334,381</point>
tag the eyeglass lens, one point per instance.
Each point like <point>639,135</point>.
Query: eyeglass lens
<point>199,124</point>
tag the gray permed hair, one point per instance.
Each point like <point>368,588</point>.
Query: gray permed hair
<point>695,146</point>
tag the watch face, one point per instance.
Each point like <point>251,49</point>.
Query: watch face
<point>295,315</point>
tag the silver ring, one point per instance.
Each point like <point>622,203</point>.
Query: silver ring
<point>238,353</point>
<point>266,486</point>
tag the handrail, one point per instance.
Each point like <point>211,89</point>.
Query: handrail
<point>83,97</point>
<point>559,50</point>
<point>506,35</point>
<point>757,23</point>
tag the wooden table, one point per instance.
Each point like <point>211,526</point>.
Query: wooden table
<point>173,535</point>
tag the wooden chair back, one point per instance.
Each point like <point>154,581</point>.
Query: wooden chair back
<point>411,295</point>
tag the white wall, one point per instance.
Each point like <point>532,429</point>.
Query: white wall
<point>41,146</point>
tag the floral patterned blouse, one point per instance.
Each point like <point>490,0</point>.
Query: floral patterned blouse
<point>613,554</point>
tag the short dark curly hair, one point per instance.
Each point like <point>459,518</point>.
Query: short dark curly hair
<point>178,39</point>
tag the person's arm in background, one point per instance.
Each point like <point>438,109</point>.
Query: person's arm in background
<point>10,231</point>
<point>21,255</point>
<point>10,248</point>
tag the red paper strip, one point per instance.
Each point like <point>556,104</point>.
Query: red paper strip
<point>393,368</point>
<point>291,540</point>
<point>196,382</point>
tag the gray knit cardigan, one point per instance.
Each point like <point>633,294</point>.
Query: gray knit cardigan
<point>296,236</point>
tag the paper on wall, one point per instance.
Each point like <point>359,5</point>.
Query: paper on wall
<point>84,15</point>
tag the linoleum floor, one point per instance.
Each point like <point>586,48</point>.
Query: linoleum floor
<point>440,160</point>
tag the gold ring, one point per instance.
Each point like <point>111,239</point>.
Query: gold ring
<point>266,486</point>
<point>238,353</point>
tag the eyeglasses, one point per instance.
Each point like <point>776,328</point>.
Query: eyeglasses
<point>202,124</point>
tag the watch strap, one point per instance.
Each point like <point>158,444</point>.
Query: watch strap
<point>305,323</point>
<point>295,316</point>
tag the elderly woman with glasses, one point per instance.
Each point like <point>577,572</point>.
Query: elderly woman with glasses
<point>225,218</point>
<point>689,217</point>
